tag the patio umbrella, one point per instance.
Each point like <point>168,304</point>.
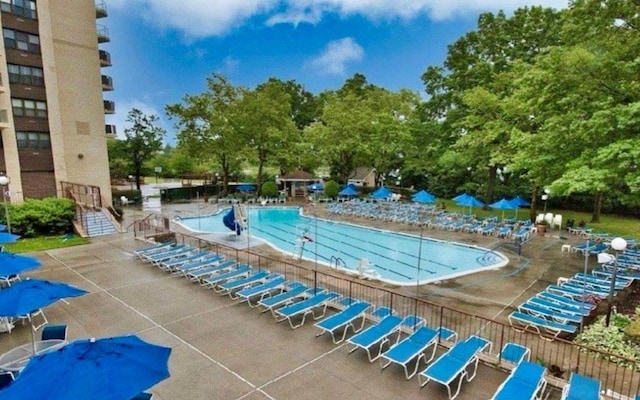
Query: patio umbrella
<point>6,237</point>
<point>25,297</point>
<point>116,368</point>
<point>519,202</point>
<point>461,197</point>
<point>470,202</point>
<point>316,187</point>
<point>423,197</point>
<point>246,188</point>
<point>348,191</point>
<point>14,264</point>
<point>3,227</point>
<point>381,193</point>
<point>503,204</point>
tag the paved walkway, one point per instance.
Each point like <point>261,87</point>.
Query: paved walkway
<point>226,350</point>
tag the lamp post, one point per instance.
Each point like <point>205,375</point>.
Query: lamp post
<point>544,198</point>
<point>131,183</point>
<point>618,244</point>
<point>4,182</point>
<point>218,185</point>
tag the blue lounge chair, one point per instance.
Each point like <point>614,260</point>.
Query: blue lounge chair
<point>343,320</point>
<point>453,365</point>
<point>558,307</point>
<point>148,255</point>
<point>413,322</point>
<point>621,281</point>
<point>151,248</point>
<point>275,284</point>
<point>293,292</point>
<point>526,382</point>
<point>156,259</point>
<point>380,312</point>
<point>304,308</point>
<point>514,353</point>
<point>581,387</point>
<point>413,347</point>
<point>566,301</point>
<point>207,260</point>
<point>539,324</point>
<point>237,273</point>
<point>217,267</point>
<point>532,308</point>
<point>174,263</point>
<point>377,335</point>
<point>230,287</point>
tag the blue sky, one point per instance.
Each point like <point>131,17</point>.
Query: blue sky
<point>164,49</point>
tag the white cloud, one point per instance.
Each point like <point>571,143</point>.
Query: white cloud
<point>336,55</point>
<point>205,18</point>
<point>122,110</point>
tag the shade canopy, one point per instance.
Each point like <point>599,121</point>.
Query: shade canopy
<point>30,295</point>
<point>6,237</point>
<point>381,193</point>
<point>470,201</point>
<point>14,264</point>
<point>461,197</point>
<point>348,191</point>
<point>115,368</point>
<point>520,202</point>
<point>423,197</point>
<point>503,204</point>
<point>246,188</point>
<point>316,187</point>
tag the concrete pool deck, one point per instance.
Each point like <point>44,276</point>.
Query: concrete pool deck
<point>226,350</point>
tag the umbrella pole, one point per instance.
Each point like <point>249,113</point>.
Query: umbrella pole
<point>33,334</point>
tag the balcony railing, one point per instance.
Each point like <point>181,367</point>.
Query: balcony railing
<point>101,9</point>
<point>109,107</point>
<point>105,58</point>
<point>110,130</point>
<point>103,33</point>
<point>107,83</point>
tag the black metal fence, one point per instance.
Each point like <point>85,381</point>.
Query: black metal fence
<point>619,375</point>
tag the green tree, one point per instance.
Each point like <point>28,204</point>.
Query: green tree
<point>206,126</point>
<point>142,140</point>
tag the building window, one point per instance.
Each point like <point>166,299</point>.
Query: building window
<point>33,140</point>
<point>21,41</point>
<point>25,75</point>
<point>22,8</point>
<point>29,108</point>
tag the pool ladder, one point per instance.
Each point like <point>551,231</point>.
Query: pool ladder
<point>336,262</point>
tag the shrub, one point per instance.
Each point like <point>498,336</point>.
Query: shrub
<point>331,189</point>
<point>42,217</point>
<point>269,189</point>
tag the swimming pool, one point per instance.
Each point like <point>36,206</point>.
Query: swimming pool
<point>393,257</point>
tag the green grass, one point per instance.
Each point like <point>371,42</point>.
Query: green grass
<point>44,243</point>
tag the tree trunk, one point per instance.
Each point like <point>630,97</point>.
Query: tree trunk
<point>534,196</point>
<point>491,184</point>
<point>261,161</point>
<point>597,206</point>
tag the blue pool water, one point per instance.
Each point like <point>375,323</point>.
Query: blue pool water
<point>393,256</point>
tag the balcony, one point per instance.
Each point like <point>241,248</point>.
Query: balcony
<point>2,88</point>
<point>107,83</point>
<point>4,119</point>
<point>109,107</point>
<point>110,131</point>
<point>101,9</point>
<point>103,33</point>
<point>105,58</point>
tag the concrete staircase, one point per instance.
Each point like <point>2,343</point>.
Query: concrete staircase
<point>97,223</point>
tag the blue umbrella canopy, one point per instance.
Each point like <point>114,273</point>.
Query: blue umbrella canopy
<point>348,191</point>
<point>503,204</point>
<point>115,368</point>
<point>14,264</point>
<point>246,188</point>
<point>461,197</point>
<point>316,187</point>
<point>3,227</point>
<point>381,193</point>
<point>470,201</point>
<point>33,294</point>
<point>520,202</point>
<point>6,237</point>
<point>423,197</point>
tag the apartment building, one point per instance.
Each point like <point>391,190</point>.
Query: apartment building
<point>51,98</point>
